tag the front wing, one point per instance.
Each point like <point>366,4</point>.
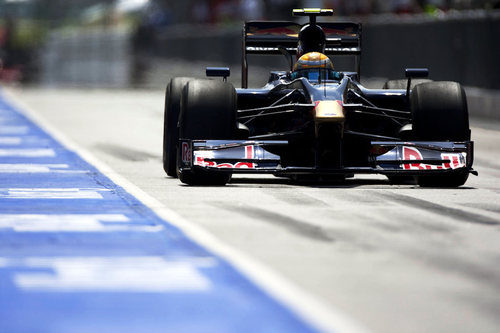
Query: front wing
<point>385,157</point>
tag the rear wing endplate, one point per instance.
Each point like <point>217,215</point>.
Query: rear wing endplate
<point>277,37</point>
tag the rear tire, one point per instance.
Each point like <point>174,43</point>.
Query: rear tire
<point>208,112</point>
<point>170,119</point>
<point>439,111</point>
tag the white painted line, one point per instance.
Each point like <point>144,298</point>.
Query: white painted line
<point>29,152</point>
<point>10,140</point>
<point>30,168</point>
<point>14,130</point>
<point>26,139</point>
<point>51,193</point>
<point>73,223</point>
<point>37,168</point>
<point>326,318</point>
<point>110,274</point>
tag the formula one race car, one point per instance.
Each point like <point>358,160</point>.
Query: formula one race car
<point>313,122</point>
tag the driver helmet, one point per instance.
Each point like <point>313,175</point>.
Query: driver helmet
<point>313,60</point>
<point>314,66</point>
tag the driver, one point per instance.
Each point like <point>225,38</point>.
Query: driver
<point>316,67</point>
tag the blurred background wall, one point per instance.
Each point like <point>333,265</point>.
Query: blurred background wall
<point>141,43</point>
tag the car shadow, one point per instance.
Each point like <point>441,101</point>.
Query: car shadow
<point>348,183</point>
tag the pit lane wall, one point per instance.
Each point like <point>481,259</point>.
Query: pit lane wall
<point>462,47</point>
<point>93,57</point>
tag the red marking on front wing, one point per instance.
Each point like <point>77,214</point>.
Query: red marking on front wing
<point>413,154</point>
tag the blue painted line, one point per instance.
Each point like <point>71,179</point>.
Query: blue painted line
<point>80,254</point>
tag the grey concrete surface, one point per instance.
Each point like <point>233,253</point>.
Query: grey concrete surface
<point>395,258</point>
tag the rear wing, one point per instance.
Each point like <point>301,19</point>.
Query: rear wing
<point>278,37</point>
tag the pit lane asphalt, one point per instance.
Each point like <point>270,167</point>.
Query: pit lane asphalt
<point>395,258</point>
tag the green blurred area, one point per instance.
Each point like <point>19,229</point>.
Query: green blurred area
<point>32,19</point>
<point>28,33</point>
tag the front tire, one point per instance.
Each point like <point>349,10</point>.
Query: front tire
<point>170,119</point>
<point>439,111</point>
<point>208,113</point>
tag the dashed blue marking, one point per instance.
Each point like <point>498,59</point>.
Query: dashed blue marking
<point>136,273</point>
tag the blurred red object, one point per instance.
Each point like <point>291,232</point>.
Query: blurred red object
<point>10,75</point>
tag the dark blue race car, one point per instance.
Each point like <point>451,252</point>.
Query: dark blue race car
<point>313,122</point>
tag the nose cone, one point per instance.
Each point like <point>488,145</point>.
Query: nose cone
<point>329,111</point>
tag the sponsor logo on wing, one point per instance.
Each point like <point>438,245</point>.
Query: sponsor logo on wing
<point>266,49</point>
<point>329,110</point>
<point>341,49</point>
<point>200,157</point>
<point>249,154</point>
<point>186,153</point>
<point>456,160</point>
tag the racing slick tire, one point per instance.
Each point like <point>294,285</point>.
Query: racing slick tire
<point>439,112</point>
<point>170,118</point>
<point>208,112</point>
<point>402,84</point>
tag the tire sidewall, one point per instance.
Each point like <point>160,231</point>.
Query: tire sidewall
<point>170,124</point>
